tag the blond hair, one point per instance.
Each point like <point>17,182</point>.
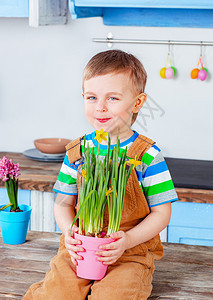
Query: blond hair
<point>117,61</point>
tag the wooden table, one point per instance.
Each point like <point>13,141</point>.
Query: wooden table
<point>185,272</point>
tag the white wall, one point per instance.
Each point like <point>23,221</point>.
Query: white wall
<point>40,85</point>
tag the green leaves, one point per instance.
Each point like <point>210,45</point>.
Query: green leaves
<point>5,206</point>
<point>12,191</point>
<point>102,182</point>
<point>120,176</point>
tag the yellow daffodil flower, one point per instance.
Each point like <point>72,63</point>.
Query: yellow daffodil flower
<point>135,162</point>
<point>108,193</point>
<point>84,174</point>
<point>100,135</point>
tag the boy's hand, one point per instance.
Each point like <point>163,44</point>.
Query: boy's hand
<point>72,245</point>
<point>114,249</point>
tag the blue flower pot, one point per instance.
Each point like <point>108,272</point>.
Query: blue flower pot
<point>14,225</point>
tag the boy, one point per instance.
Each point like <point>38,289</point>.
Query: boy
<point>113,92</point>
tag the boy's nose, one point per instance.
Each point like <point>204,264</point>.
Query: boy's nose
<point>101,106</point>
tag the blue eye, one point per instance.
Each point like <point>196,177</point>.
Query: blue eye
<point>91,98</point>
<point>113,98</point>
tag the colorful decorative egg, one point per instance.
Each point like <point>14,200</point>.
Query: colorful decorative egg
<point>175,71</point>
<point>162,73</point>
<point>169,73</point>
<point>202,74</point>
<point>194,73</point>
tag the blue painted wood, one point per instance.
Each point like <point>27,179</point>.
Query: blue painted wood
<point>191,223</point>
<point>57,229</point>
<point>158,17</point>
<point>189,13</point>
<point>190,235</point>
<point>84,12</point>
<point>189,214</point>
<point>3,196</point>
<point>205,4</point>
<point>14,8</point>
<point>24,197</point>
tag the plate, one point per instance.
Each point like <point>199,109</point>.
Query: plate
<point>51,155</point>
<point>37,155</point>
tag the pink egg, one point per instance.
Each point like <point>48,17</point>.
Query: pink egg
<point>169,73</point>
<point>202,74</point>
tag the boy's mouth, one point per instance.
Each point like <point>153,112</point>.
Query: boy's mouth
<point>104,120</point>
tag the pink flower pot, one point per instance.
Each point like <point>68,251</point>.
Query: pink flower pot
<point>89,267</point>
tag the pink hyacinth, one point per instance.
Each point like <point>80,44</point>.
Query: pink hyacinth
<point>8,169</point>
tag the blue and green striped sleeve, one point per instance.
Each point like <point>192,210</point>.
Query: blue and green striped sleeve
<point>67,177</point>
<point>156,180</point>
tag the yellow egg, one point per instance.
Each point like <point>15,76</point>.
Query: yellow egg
<point>162,73</point>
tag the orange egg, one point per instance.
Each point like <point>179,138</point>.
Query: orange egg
<point>162,73</point>
<point>194,73</point>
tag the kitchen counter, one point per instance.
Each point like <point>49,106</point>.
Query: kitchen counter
<point>35,175</point>
<point>190,179</point>
<point>193,179</point>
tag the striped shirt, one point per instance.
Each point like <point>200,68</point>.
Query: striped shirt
<point>153,174</point>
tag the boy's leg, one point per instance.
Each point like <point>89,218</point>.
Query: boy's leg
<point>129,280</point>
<point>60,282</point>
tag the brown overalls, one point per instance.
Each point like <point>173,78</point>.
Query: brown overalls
<point>130,278</point>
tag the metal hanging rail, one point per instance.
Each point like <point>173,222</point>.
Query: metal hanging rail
<point>110,40</point>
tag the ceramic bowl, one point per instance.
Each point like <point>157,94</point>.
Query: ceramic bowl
<point>51,145</point>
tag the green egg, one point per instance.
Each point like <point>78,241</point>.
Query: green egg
<point>174,70</point>
<point>205,70</point>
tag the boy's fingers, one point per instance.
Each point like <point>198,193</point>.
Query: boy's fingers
<point>75,242</point>
<point>74,248</point>
<point>74,261</point>
<point>72,241</point>
<point>73,230</point>
<point>74,255</point>
<point>117,235</point>
<point>107,260</point>
<point>105,253</point>
<point>108,246</point>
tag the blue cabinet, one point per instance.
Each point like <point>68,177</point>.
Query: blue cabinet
<point>14,8</point>
<point>197,4</point>
<point>191,223</point>
<point>177,13</point>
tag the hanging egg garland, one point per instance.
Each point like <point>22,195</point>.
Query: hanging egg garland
<point>169,71</point>
<point>200,73</point>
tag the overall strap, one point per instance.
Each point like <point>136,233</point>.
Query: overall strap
<point>139,146</point>
<point>74,150</point>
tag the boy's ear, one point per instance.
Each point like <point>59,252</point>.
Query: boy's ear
<point>140,100</point>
